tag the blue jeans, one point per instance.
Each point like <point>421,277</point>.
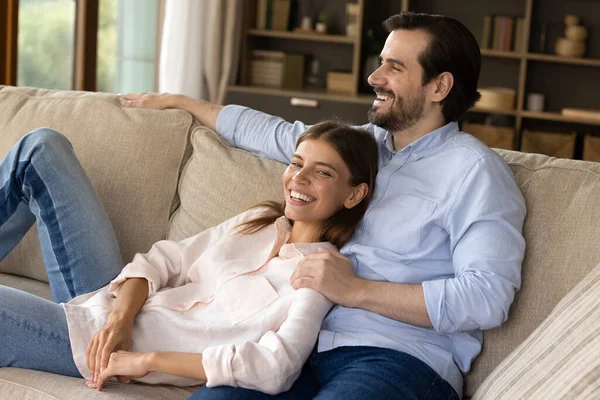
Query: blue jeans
<point>42,181</point>
<point>352,373</point>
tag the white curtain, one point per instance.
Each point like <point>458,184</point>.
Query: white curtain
<point>200,47</point>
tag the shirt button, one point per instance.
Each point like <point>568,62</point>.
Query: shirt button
<point>397,162</point>
<point>359,231</point>
<point>414,155</point>
<point>377,194</point>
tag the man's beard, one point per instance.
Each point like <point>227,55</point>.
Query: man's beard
<point>403,114</point>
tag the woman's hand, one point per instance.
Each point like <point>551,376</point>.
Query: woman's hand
<point>159,101</point>
<point>124,365</point>
<point>114,335</point>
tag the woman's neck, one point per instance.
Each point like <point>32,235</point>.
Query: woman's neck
<point>305,232</point>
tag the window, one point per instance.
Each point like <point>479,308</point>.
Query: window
<point>57,46</point>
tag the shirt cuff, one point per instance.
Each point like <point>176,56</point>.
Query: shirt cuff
<point>435,301</point>
<point>227,121</point>
<point>134,271</point>
<point>217,366</point>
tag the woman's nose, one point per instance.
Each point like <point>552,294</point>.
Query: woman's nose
<point>300,177</point>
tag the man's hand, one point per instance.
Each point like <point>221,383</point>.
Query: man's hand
<point>123,365</point>
<point>115,335</point>
<point>159,101</point>
<point>329,273</point>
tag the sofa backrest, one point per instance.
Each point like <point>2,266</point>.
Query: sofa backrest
<point>133,158</point>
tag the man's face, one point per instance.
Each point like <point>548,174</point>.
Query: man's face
<point>401,97</point>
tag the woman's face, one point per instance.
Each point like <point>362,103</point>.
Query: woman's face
<point>316,183</point>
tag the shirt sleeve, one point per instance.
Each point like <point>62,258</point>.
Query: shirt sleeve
<point>273,363</point>
<point>485,227</point>
<point>168,262</point>
<point>260,133</point>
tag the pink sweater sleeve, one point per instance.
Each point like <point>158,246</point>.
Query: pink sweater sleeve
<point>274,363</point>
<point>168,262</point>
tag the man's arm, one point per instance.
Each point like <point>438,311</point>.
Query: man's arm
<point>485,230</point>
<point>332,274</point>
<point>251,130</point>
<point>206,113</point>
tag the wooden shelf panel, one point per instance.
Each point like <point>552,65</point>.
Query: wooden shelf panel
<point>316,37</point>
<point>501,54</point>
<point>592,62</point>
<point>308,94</point>
<point>493,111</point>
<point>554,116</point>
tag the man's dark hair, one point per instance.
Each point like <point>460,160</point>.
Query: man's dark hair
<point>452,48</point>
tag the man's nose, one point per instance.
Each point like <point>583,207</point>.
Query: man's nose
<point>376,78</point>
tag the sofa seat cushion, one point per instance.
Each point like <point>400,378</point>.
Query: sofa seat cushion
<point>38,288</point>
<point>18,383</point>
<point>220,181</point>
<point>561,358</point>
<point>132,156</point>
<point>562,237</point>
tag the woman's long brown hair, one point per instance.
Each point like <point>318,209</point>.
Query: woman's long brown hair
<point>358,150</point>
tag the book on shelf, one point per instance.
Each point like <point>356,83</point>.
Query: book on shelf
<point>503,33</point>
<point>486,32</point>
<point>277,69</point>
<point>520,44</point>
<point>273,14</point>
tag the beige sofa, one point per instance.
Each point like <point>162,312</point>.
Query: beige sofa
<point>161,175</point>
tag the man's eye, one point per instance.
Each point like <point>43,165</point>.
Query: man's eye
<point>295,164</point>
<point>323,173</point>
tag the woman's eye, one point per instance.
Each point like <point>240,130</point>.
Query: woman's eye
<point>295,164</point>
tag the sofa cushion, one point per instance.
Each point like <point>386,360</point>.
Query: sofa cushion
<point>132,156</point>
<point>220,181</point>
<point>18,383</point>
<point>562,236</point>
<point>561,358</point>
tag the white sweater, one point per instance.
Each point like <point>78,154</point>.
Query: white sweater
<point>222,294</point>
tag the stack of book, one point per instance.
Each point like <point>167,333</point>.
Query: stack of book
<point>273,14</point>
<point>503,33</point>
<point>277,69</point>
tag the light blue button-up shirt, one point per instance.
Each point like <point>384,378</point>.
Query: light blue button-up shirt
<point>446,212</point>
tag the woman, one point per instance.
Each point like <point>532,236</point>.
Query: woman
<point>218,305</point>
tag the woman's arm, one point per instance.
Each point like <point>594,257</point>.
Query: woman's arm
<point>270,366</point>
<point>125,365</point>
<point>116,333</point>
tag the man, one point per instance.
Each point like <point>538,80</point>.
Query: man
<point>437,256</point>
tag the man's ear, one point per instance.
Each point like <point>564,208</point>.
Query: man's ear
<point>358,194</point>
<point>442,84</point>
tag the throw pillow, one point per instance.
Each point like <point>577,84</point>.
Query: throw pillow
<point>561,358</point>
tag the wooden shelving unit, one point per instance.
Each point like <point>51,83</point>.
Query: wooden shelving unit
<point>311,94</point>
<point>316,37</point>
<point>353,41</point>
<point>519,114</point>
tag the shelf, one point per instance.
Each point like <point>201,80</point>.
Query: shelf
<point>310,94</point>
<point>592,62</point>
<point>317,37</point>
<point>553,116</point>
<point>501,54</point>
<point>493,111</point>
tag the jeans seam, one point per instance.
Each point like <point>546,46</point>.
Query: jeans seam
<point>430,387</point>
<point>32,328</point>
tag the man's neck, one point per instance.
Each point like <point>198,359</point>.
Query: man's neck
<point>406,136</point>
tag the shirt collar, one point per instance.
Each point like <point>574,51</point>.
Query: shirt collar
<point>431,140</point>
<point>283,228</point>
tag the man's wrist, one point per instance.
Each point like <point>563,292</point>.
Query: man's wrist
<point>359,293</point>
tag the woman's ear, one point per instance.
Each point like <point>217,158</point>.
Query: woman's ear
<point>358,194</point>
